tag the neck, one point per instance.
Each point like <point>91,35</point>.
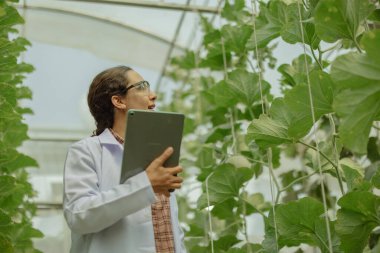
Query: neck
<point>119,127</point>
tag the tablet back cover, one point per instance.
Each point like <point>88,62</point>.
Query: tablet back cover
<point>148,134</point>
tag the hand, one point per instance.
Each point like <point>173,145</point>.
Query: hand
<point>163,179</point>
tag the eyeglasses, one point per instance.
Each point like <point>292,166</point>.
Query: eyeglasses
<point>140,86</point>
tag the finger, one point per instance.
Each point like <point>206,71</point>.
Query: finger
<point>175,170</point>
<point>175,186</point>
<point>163,157</point>
<point>176,180</point>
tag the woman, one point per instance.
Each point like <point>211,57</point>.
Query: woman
<point>105,216</point>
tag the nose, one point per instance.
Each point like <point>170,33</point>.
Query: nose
<point>152,95</point>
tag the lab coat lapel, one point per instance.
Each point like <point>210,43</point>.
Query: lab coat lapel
<point>112,155</point>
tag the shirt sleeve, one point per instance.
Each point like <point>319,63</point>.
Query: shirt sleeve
<point>87,209</point>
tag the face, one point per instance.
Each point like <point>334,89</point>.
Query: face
<point>140,96</point>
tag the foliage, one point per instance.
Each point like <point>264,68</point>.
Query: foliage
<point>16,209</point>
<point>327,118</point>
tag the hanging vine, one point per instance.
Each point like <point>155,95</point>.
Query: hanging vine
<point>16,207</point>
<point>326,118</point>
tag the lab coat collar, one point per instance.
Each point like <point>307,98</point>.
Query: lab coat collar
<point>106,137</point>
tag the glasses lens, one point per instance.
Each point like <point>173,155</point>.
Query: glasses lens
<point>143,86</point>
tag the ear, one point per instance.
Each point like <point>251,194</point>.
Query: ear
<point>118,103</point>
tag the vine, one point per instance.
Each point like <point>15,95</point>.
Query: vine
<point>16,207</point>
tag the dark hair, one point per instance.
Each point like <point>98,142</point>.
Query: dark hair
<point>106,84</point>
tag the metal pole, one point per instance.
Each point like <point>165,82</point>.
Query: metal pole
<point>168,55</point>
<point>150,4</point>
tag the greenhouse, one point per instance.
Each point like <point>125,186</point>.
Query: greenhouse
<point>276,106</point>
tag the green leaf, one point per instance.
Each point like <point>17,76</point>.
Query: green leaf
<point>206,157</point>
<point>299,222</point>
<point>8,185</point>
<point>373,149</point>
<point>235,37</point>
<point>358,100</point>
<point>223,184</point>
<point>370,44</point>
<point>298,102</point>
<point>224,210</point>
<point>11,18</point>
<point>221,94</point>
<point>234,12</point>
<point>358,216</point>
<point>13,160</point>
<point>241,86</point>
<point>6,244</point>
<point>214,59</point>
<point>375,180</point>
<point>256,203</point>
<point>354,175</point>
<point>267,132</point>
<point>218,134</point>
<point>245,86</point>
<point>341,19</point>
<point>282,19</point>
<point>9,93</point>
<point>187,61</point>
<point>295,74</point>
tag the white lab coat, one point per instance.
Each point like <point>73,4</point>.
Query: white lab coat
<point>105,216</point>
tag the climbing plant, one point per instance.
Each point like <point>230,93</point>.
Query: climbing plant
<point>16,208</point>
<point>327,120</point>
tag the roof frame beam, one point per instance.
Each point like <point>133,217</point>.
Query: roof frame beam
<point>158,5</point>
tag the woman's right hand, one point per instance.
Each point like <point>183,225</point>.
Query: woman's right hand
<point>163,179</point>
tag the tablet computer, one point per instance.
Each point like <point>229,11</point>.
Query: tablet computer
<point>148,134</point>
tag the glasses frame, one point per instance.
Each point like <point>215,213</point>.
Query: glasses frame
<point>138,84</point>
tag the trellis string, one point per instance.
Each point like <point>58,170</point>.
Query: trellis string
<point>315,133</point>
<point>269,151</point>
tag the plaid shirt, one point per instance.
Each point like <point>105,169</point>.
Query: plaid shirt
<point>163,234</point>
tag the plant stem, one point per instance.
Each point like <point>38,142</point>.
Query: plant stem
<point>323,154</point>
<point>330,48</point>
<point>270,165</point>
<point>234,139</point>
<point>245,225</point>
<point>357,46</point>
<point>337,170</point>
<point>315,58</point>
<point>297,180</point>
<point>256,161</point>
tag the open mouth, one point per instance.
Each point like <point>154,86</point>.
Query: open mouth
<point>151,107</point>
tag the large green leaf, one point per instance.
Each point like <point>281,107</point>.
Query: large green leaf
<point>235,37</point>
<point>358,216</point>
<point>245,86</point>
<point>358,101</point>
<point>241,86</point>
<point>339,19</point>
<point>234,12</point>
<point>282,19</point>
<point>224,184</point>
<point>299,222</point>
<point>222,95</point>
<point>354,175</point>
<point>295,73</point>
<point>267,132</point>
<point>298,101</point>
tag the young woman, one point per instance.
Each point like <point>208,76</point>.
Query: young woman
<point>137,216</point>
